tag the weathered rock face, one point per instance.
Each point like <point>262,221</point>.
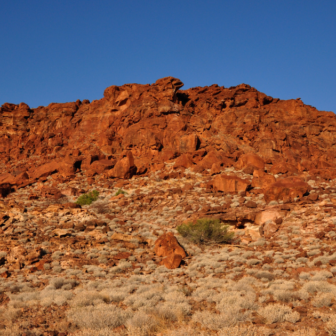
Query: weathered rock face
<point>199,127</point>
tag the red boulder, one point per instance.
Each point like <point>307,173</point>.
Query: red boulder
<point>125,168</point>
<point>229,184</point>
<point>287,190</point>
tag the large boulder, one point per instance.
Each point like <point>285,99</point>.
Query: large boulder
<point>288,190</point>
<point>267,215</point>
<point>262,180</point>
<point>168,246</point>
<point>44,170</point>
<point>51,192</point>
<point>283,168</point>
<point>215,157</point>
<point>69,165</point>
<point>99,166</point>
<point>124,168</point>
<point>184,161</point>
<point>250,160</point>
<point>269,229</point>
<point>229,184</point>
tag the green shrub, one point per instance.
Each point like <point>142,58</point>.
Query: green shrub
<point>206,231</point>
<point>87,199</point>
<point>120,191</point>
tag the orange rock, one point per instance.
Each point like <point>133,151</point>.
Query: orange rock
<point>267,215</point>
<point>44,170</point>
<point>100,166</point>
<point>167,244</point>
<point>184,161</point>
<point>172,261</point>
<point>269,229</point>
<point>250,160</point>
<point>262,179</point>
<point>287,190</point>
<point>216,169</point>
<point>50,192</point>
<point>125,168</point>
<point>229,183</point>
<point>283,168</point>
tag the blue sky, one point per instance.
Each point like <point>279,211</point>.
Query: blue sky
<point>59,51</point>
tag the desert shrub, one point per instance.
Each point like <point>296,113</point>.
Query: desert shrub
<point>279,313</point>
<point>120,191</point>
<point>98,317</point>
<point>206,231</point>
<point>141,324</point>
<point>91,332</point>
<point>242,331</point>
<point>13,330</point>
<point>89,298</point>
<point>101,207</point>
<point>218,321</point>
<point>322,300</point>
<point>87,199</point>
<point>331,325</point>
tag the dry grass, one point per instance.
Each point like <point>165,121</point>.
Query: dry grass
<point>102,332</point>
<point>278,313</point>
<point>98,317</point>
<point>331,325</point>
<point>13,330</point>
<point>243,331</point>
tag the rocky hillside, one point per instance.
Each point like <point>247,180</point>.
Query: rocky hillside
<point>93,196</point>
<point>201,126</point>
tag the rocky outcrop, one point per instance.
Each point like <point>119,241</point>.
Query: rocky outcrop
<point>134,128</point>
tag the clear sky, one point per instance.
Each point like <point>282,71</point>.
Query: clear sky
<point>64,50</point>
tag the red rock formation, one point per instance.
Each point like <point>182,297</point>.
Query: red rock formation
<point>159,122</point>
<point>168,246</point>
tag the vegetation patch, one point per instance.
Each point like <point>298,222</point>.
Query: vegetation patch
<point>120,191</point>
<point>206,231</point>
<point>87,199</point>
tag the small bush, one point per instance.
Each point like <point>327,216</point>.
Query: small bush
<point>87,199</point>
<point>279,313</point>
<point>101,207</point>
<point>120,191</point>
<point>206,231</point>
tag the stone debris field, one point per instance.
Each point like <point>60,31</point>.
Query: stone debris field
<point>93,270</point>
